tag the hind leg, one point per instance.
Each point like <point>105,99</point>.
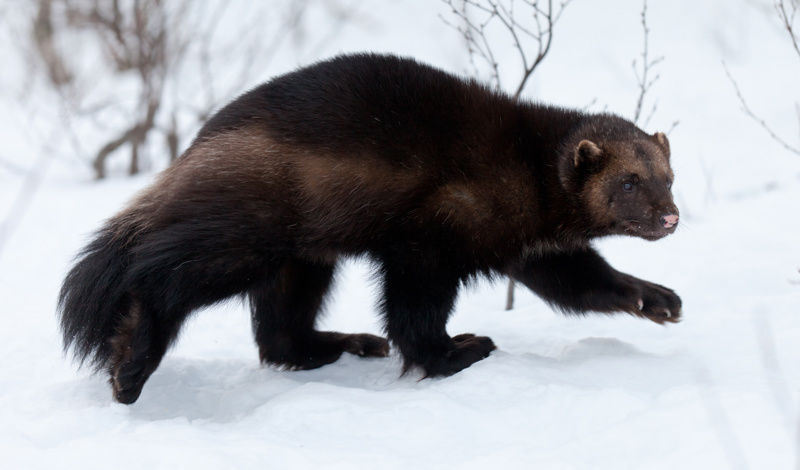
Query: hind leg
<point>284,312</point>
<point>137,349</point>
<point>418,299</point>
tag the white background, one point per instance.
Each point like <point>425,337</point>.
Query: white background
<point>718,390</point>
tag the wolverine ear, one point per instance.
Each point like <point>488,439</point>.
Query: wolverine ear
<point>587,151</point>
<point>662,139</point>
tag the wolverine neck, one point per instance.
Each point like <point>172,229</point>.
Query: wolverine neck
<point>550,135</point>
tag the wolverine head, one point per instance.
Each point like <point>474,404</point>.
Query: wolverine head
<point>623,183</point>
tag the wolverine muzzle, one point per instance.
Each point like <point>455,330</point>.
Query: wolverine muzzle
<point>669,221</point>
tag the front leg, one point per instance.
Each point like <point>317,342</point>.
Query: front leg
<point>581,281</point>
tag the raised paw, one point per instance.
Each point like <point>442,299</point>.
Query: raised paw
<point>656,303</point>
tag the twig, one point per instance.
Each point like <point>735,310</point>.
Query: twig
<point>510,293</point>
<point>788,21</point>
<point>643,80</point>
<point>754,117</point>
<point>174,51</point>
<point>589,105</point>
<point>672,127</point>
<point>506,14</point>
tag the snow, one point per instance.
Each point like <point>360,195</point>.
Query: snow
<point>718,390</point>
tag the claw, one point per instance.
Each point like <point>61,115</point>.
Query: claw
<point>640,304</point>
<point>669,314</point>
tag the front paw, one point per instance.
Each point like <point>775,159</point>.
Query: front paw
<point>654,302</point>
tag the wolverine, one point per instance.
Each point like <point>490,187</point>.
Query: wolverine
<point>435,179</point>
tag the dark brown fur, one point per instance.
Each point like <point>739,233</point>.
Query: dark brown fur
<point>434,178</point>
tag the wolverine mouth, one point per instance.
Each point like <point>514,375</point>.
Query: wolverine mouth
<point>635,228</point>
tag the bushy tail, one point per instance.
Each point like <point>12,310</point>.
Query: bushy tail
<point>94,299</point>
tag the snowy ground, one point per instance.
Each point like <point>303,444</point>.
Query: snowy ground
<point>719,390</point>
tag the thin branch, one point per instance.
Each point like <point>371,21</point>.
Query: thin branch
<point>44,40</point>
<point>173,52</point>
<point>589,105</point>
<point>672,127</point>
<point>788,21</point>
<point>205,56</point>
<point>108,149</point>
<point>754,117</point>
<point>506,14</point>
<point>475,36</point>
<point>643,80</point>
<point>510,293</point>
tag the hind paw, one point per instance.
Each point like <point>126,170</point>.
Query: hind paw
<point>366,345</point>
<point>319,348</point>
<point>468,350</point>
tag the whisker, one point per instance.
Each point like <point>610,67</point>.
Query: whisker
<point>683,225</point>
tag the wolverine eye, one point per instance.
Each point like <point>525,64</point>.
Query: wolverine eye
<point>627,186</point>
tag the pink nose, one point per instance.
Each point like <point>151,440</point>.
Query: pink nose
<point>669,221</point>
